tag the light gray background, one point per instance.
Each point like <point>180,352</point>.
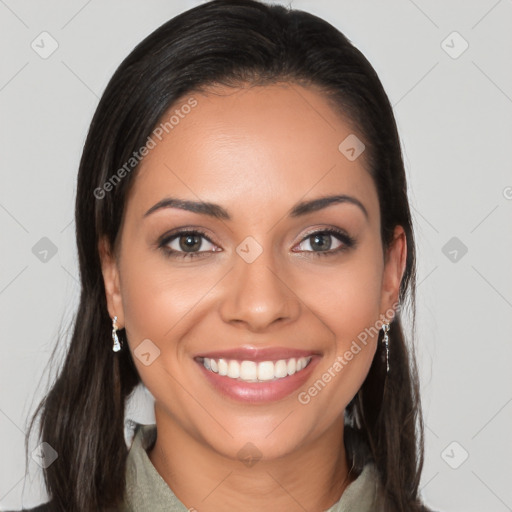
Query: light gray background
<point>455,120</point>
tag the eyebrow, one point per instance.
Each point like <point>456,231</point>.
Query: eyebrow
<point>218,212</point>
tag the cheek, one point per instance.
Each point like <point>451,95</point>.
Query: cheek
<point>347,297</point>
<point>160,305</point>
<point>347,301</point>
<point>156,298</point>
<point>163,304</point>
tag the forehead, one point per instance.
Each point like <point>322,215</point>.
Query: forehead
<point>252,147</point>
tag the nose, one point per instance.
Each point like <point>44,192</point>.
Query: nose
<point>256,295</point>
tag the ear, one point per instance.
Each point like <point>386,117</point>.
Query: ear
<point>394,267</point>
<point>110,271</point>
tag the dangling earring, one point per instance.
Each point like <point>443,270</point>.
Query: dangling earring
<point>385,328</point>
<point>116,347</point>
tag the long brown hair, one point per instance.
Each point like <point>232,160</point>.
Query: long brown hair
<point>226,42</point>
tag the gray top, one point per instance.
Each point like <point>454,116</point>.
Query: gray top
<point>147,490</point>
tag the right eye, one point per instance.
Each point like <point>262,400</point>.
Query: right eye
<point>186,244</point>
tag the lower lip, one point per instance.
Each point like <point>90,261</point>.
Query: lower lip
<point>259,392</point>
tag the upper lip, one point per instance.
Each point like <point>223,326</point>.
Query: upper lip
<point>258,353</point>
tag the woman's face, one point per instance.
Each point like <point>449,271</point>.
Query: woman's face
<point>271,280</point>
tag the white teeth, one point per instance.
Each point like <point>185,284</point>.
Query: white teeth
<point>291,366</point>
<point>280,369</point>
<point>233,369</point>
<point>223,367</point>
<point>250,371</point>
<point>266,370</point>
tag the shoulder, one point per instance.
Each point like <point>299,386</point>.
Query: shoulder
<point>45,507</point>
<point>50,507</point>
<point>424,508</point>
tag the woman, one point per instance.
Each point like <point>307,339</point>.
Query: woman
<point>245,243</point>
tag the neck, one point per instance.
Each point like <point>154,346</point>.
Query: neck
<point>311,478</point>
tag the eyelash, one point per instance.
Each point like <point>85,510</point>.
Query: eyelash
<point>347,241</point>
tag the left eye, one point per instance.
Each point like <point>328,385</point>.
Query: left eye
<point>322,241</point>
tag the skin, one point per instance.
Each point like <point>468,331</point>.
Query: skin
<point>255,151</point>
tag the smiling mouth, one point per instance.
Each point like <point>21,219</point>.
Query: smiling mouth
<point>252,371</point>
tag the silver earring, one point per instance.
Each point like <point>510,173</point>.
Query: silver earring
<point>116,347</point>
<point>385,328</point>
